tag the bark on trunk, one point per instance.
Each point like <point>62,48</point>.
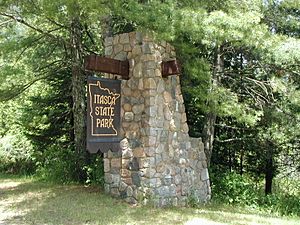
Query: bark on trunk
<point>269,177</point>
<point>78,94</point>
<point>208,135</point>
<point>208,131</point>
<point>269,169</point>
<point>242,161</point>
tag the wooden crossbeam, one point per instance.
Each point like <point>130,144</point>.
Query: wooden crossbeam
<point>107,65</point>
<point>170,68</point>
<point>113,66</point>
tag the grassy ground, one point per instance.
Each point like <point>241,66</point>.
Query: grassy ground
<point>27,201</point>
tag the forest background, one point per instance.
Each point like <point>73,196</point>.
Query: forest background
<point>240,79</point>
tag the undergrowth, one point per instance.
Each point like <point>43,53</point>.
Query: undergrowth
<point>235,189</point>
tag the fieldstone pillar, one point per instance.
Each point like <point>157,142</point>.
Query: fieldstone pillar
<point>158,161</point>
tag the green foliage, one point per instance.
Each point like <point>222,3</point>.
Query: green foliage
<point>16,155</point>
<point>286,197</point>
<point>235,189</point>
<point>46,123</point>
<point>57,165</point>
<point>95,170</point>
<point>232,188</point>
<point>16,151</point>
<point>284,204</point>
<point>36,52</point>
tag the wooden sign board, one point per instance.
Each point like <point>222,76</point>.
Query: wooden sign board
<point>103,114</point>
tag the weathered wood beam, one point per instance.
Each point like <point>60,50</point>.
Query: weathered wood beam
<point>170,68</point>
<point>107,65</point>
<point>113,66</point>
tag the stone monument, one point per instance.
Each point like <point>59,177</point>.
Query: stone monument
<point>158,162</point>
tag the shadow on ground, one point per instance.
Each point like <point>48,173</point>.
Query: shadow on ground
<point>42,203</point>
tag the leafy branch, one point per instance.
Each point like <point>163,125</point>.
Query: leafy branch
<point>22,21</point>
<point>6,95</point>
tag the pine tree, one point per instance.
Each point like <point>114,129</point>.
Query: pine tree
<point>45,39</point>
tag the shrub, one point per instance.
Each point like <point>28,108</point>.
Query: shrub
<point>57,164</point>
<point>60,165</point>
<point>16,155</point>
<point>95,170</point>
<point>232,188</point>
<point>286,198</point>
<point>284,204</point>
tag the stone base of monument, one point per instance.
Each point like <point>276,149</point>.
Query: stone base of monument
<point>158,162</point>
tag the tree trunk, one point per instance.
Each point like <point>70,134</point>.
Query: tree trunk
<point>78,94</point>
<point>208,131</point>
<point>208,135</point>
<point>269,169</point>
<point>269,177</point>
<point>241,161</point>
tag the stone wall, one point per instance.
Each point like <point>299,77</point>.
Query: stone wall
<point>158,161</point>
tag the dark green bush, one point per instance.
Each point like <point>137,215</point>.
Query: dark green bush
<point>284,204</point>
<point>286,197</point>
<point>60,165</point>
<point>232,188</point>
<point>57,165</point>
<point>94,170</point>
